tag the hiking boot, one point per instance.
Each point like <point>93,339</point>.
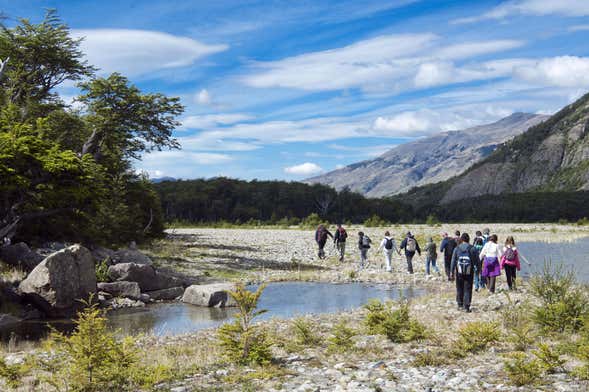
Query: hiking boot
<point>467,310</point>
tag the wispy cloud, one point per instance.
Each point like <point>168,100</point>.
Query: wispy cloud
<point>389,62</point>
<point>532,7</point>
<point>213,120</point>
<point>141,52</point>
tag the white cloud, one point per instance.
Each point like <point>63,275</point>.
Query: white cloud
<point>533,7</point>
<point>338,167</point>
<point>304,169</point>
<point>385,63</point>
<point>212,120</point>
<point>407,123</point>
<point>140,52</point>
<point>203,97</point>
<point>564,71</point>
<point>579,27</point>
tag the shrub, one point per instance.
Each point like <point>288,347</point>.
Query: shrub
<point>517,322</point>
<point>102,271</point>
<point>303,331</point>
<point>583,222</point>
<point>341,339</point>
<point>563,302</point>
<point>522,370</point>
<point>582,352</point>
<point>91,359</point>
<point>432,220</point>
<point>13,374</point>
<point>548,359</point>
<point>242,341</point>
<point>312,221</point>
<point>375,221</point>
<point>396,325</point>
<point>477,335</point>
<point>430,358</point>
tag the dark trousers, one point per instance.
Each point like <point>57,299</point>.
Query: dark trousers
<point>491,283</point>
<point>409,257</point>
<point>464,290</point>
<point>321,252</point>
<point>510,274</point>
<point>447,265</point>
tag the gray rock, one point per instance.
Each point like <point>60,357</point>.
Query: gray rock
<point>58,283</point>
<point>121,289</point>
<point>166,294</point>
<point>211,295</point>
<point>145,298</point>
<point>20,255</point>
<point>130,256</point>
<point>145,275</point>
<point>7,320</point>
<point>101,254</point>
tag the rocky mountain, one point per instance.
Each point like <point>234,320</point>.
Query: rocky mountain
<point>552,156</point>
<point>428,160</point>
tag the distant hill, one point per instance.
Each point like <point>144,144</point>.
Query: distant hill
<point>551,157</point>
<point>162,179</point>
<point>428,160</point>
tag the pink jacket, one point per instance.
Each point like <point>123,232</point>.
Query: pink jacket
<point>515,262</point>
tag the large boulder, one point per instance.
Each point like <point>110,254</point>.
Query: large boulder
<point>58,283</point>
<point>130,256</point>
<point>121,289</point>
<point>145,275</point>
<point>211,295</point>
<point>20,255</point>
<point>7,320</point>
<point>166,294</point>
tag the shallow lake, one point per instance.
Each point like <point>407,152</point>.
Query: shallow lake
<point>281,299</point>
<point>572,255</point>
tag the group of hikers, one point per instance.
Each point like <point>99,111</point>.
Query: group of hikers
<point>475,264</point>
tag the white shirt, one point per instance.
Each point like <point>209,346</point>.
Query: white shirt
<point>491,249</point>
<point>383,243</point>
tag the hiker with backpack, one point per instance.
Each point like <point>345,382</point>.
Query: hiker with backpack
<point>490,256</point>
<point>431,255</point>
<point>510,261</point>
<point>464,259</point>
<point>321,238</point>
<point>388,246</point>
<point>486,235</point>
<point>447,247</point>
<point>339,239</point>
<point>410,246</point>
<point>364,244</point>
<point>478,243</point>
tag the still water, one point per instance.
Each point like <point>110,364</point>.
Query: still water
<point>573,255</point>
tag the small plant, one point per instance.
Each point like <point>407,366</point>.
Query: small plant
<point>522,370</point>
<point>582,352</point>
<point>477,335</point>
<point>102,271</point>
<point>242,341</point>
<point>517,323</point>
<point>375,221</point>
<point>397,325</point>
<point>564,302</point>
<point>352,275</point>
<point>432,220</point>
<point>430,358</point>
<point>548,359</point>
<point>583,222</point>
<point>13,374</point>
<point>342,339</point>
<point>303,331</point>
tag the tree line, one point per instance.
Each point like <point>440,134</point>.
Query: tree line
<point>66,170</point>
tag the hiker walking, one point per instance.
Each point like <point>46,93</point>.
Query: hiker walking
<point>490,255</point>
<point>410,246</point>
<point>431,255</point>
<point>478,243</point>
<point>364,244</point>
<point>321,238</point>
<point>447,247</point>
<point>388,246</point>
<point>339,239</point>
<point>486,235</point>
<point>464,259</point>
<point>510,261</point>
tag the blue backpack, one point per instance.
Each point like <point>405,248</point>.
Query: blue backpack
<point>464,264</point>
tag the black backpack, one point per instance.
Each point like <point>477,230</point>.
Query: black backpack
<point>464,263</point>
<point>389,244</point>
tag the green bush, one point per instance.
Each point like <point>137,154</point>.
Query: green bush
<point>564,303</point>
<point>92,359</point>
<point>242,341</point>
<point>582,351</point>
<point>303,332</point>
<point>548,359</point>
<point>432,220</point>
<point>397,325</point>
<point>522,370</point>
<point>341,339</point>
<point>430,358</point>
<point>312,221</point>
<point>13,374</point>
<point>516,320</point>
<point>583,222</point>
<point>102,271</point>
<point>375,221</point>
<point>477,335</point>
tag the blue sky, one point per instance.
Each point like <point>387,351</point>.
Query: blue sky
<point>290,89</point>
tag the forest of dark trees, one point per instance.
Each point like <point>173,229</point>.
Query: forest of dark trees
<point>235,201</point>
